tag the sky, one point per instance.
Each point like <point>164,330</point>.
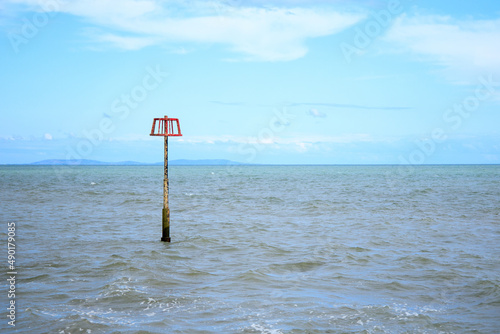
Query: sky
<point>273,82</point>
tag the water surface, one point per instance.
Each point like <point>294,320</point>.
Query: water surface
<point>255,249</point>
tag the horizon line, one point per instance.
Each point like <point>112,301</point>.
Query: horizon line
<point>216,162</point>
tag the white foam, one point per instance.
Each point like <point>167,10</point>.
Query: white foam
<point>264,330</point>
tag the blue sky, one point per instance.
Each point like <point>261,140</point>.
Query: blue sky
<point>285,82</point>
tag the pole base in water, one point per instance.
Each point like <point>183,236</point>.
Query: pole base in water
<point>165,236</point>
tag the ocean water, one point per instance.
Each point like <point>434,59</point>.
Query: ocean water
<point>255,249</point>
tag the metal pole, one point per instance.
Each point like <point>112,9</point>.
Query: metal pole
<point>166,209</point>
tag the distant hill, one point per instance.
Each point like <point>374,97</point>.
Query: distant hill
<point>180,162</point>
<point>84,162</point>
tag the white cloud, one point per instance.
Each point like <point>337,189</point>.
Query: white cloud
<point>316,113</point>
<point>119,41</point>
<point>259,33</point>
<point>465,49</point>
<point>48,136</point>
<point>300,140</point>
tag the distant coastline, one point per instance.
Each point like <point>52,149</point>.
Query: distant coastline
<point>203,162</point>
<point>179,162</point>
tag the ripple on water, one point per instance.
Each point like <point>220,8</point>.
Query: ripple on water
<point>267,249</point>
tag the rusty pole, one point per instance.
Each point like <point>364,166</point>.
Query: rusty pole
<point>166,127</point>
<point>166,209</point>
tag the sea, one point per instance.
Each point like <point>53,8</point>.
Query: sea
<point>254,249</point>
